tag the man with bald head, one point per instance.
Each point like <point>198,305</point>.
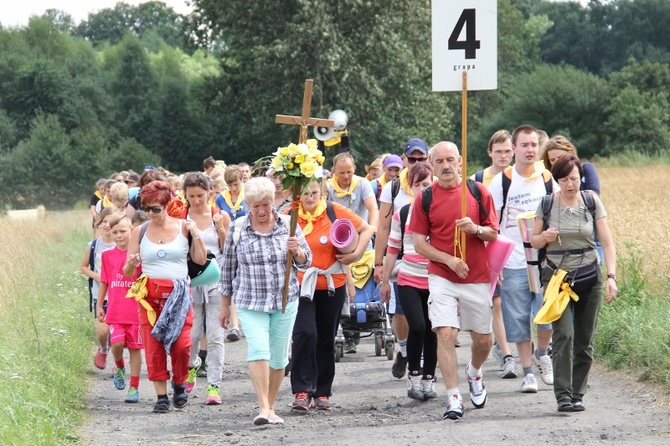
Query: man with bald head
<point>455,282</point>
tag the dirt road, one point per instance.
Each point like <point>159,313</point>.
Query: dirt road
<point>372,409</point>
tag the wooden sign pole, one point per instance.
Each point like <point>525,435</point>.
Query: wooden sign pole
<point>464,157</point>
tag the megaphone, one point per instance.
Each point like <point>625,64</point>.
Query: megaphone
<point>340,118</point>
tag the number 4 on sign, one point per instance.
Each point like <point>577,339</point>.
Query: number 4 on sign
<point>468,19</point>
<point>465,38</point>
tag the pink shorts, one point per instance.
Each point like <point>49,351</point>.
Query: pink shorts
<point>129,334</point>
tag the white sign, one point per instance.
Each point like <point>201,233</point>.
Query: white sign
<point>465,38</point>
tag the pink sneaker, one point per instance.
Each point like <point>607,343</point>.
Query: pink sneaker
<point>100,360</point>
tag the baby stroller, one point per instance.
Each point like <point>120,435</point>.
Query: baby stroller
<point>366,316</point>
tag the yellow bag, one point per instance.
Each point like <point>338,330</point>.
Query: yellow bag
<point>557,294</point>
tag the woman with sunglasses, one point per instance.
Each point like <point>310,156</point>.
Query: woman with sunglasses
<point>161,247</point>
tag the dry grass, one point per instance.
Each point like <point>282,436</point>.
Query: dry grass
<point>637,200</point>
<point>20,240</point>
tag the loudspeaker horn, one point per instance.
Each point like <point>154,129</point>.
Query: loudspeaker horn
<point>340,118</point>
<point>323,133</point>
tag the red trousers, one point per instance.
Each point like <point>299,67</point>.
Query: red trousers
<point>154,350</point>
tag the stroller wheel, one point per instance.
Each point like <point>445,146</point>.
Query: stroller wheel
<point>389,350</point>
<point>379,343</point>
<point>338,351</point>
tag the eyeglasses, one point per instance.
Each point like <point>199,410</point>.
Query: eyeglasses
<point>412,160</point>
<point>154,209</point>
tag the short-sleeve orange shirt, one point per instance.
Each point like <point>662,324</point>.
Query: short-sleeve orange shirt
<point>322,249</point>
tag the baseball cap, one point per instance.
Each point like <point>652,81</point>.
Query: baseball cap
<point>393,161</point>
<point>416,144</point>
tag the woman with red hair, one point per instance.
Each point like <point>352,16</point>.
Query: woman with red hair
<point>161,247</point>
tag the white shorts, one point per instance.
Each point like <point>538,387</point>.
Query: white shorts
<point>473,299</point>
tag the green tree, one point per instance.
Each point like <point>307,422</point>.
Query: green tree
<point>110,25</point>
<point>133,85</point>
<point>45,169</point>
<point>559,100</point>
<point>129,154</point>
<point>371,59</point>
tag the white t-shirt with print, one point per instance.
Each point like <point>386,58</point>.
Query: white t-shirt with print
<point>523,196</point>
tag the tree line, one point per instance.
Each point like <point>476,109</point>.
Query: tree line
<point>137,85</point>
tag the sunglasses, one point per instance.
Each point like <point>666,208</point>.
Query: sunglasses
<point>412,160</point>
<point>154,209</point>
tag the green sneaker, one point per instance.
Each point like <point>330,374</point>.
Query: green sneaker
<point>133,395</point>
<point>120,378</point>
<point>213,397</point>
<point>189,384</point>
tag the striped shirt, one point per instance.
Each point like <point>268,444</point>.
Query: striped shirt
<point>413,267</point>
<point>254,270</point>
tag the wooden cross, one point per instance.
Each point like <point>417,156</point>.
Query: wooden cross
<point>304,121</point>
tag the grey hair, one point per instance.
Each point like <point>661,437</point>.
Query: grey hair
<point>258,189</point>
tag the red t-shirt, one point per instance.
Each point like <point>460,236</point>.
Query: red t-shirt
<point>445,209</point>
<point>119,309</point>
<point>322,249</point>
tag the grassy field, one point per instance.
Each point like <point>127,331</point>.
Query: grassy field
<point>46,332</point>
<point>632,331</point>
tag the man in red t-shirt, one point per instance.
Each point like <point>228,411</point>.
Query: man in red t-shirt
<point>455,283</point>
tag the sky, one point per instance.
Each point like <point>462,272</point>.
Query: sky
<point>17,13</point>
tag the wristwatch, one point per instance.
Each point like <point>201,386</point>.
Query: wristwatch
<point>480,230</point>
<point>612,276</point>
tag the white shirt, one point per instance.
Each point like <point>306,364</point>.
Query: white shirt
<point>523,196</point>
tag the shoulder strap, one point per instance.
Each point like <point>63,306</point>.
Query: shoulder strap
<point>473,186</point>
<point>590,203</point>
<point>548,181</point>
<point>91,265</point>
<point>404,213</point>
<point>237,230</point>
<point>143,230</point>
<point>547,203</point>
<point>506,182</point>
<point>395,188</point>
<point>479,176</point>
<point>330,211</point>
<point>426,199</point>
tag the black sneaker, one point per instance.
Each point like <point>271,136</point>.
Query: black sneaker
<point>162,405</point>
<point>349,346</point>
<point>180,397</point>
<point>399,365</point>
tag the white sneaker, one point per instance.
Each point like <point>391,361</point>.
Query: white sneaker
<point>509,368</point>
<point>478,392</point>
<point>428,388</point>
<point>414,388</point>
<point>546,369</point>
<point>454,409</point>
<point>529,384</point>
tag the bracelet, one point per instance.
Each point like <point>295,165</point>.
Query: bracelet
<point>612,276</point>
<point>197,237</point>
<point>379,263</point>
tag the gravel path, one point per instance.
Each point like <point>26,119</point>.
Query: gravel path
<point>372,409</point>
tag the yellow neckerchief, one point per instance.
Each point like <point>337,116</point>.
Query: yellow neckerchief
<point>341,193</point>
<point>106,202</point>
<point>229,200</point>
<point>557,295</point>
<point>382,181</point>
<point>212,203</point>
<point>311,217</point>
<point>404,181</point>
<point>363,268</point>
<point>139,292</point>
<point>98,194</point>
<point>539,170</point>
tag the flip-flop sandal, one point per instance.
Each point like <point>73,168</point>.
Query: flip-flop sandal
<point>274,419</point>
<point>261,419</point>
